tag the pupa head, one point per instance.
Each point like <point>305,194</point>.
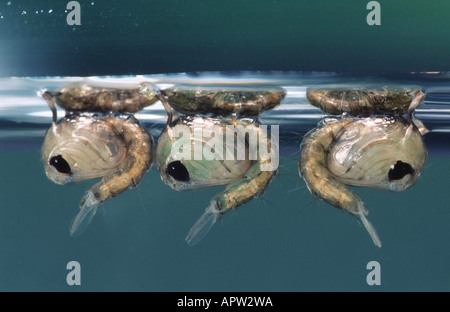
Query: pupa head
<point>384,153</point>
<point>190,154</point>
<point>82,147</point>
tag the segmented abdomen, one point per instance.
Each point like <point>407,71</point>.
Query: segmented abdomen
<point>84,97</point>
<point>361,101</point>
<point>139,158</point>
<point>223,102</point>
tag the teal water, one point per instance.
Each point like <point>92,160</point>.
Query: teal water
<point>284,243</point>
<point>147,37</point>
<point>287,241</point>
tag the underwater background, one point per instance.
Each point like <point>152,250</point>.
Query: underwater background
<point>287,241</point>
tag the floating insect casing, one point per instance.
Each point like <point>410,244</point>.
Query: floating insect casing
<point>194,152</point>
<point>86,97</point>
<point>377,152</point>
<point>224,100</point>
<point>114,147</point>
<point>362,100</point>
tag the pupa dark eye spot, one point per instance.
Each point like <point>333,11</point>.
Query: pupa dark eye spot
<point>60,164</point>
<point>178,171</point>
<point>399,170</point>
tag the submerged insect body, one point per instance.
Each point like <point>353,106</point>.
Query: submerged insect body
<point>385,152</point>
<point>382,153</point>
<point>86,146</point>
<point>246,177</point>
<point>190,161</point>
<point>194,151</point>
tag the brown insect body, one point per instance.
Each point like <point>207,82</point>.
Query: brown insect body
<point>82,97</point>
<point>362,101</point>
<point>223,100</point>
